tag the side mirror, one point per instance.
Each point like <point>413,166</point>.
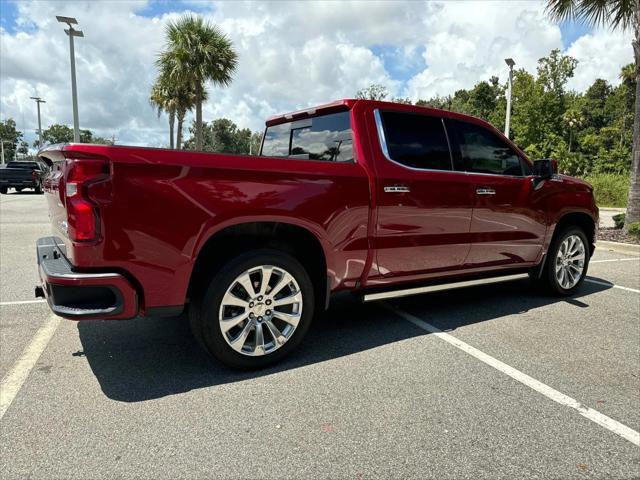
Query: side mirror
<point>545,169</point>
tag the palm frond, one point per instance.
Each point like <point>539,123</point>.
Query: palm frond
<point>616,13</point>
<point>561,10</point>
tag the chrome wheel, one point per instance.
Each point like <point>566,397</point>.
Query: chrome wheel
<point>260,310</point>
<point>570,262</point>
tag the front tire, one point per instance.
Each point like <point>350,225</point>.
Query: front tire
<point>567,262</point>
<point>254,310</point>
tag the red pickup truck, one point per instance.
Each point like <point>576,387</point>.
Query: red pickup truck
<point>378,198</point>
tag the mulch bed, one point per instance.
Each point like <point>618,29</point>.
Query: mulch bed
<point>617,235</point>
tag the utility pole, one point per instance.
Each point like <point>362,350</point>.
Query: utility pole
<point>2,146</point>
<point>507,122</point>
<point>72,32</point>
<point>38,102</point>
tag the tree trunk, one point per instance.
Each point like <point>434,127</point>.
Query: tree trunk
<point>633,201</point>
<point>198,93</point>
<point>179,132</point>
<point>172,121</point>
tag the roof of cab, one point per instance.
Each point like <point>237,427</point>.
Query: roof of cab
<point>348,103</point>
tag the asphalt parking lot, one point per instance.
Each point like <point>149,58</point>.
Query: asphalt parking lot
<point>487,382</point>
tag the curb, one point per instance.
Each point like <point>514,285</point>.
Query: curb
<point>619,247</point>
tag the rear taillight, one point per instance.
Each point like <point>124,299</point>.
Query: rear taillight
<point>82,213</point>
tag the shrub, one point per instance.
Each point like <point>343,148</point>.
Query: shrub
<point>634,229</point>
<point>618,220</point>
<point>610,189</point>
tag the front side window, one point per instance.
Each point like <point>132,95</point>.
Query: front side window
<point>482,151</point>
<point>417,141</point>
<point>326,138</point>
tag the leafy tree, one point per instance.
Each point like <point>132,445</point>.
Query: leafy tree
<point>161,100</point>
<point>175,99</point>
<point>10,137</point>
<point>623,14</point>
<point>256,143</point>
<point>23,148</point>
<point>197,52</point>
<point>58,133</point>
<point>373,92</point>
<point>224,136</point>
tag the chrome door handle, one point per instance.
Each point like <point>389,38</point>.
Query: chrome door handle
<point>397,189</point>
<point>485,191</point>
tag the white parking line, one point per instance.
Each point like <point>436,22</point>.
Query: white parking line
<point>593,415</point>
<point>615,260</point>
<point>22,302</point>
<point>13,381</point>
<point>606,284</point>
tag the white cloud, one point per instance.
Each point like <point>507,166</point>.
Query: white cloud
<point>292,55</point>
<point>600,55</point>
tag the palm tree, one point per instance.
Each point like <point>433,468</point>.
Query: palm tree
<point>185,99</point>
<point>617,14</point>
<point>197,52</point>
<point>160,99</point>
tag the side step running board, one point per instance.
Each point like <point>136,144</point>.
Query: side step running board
<point>443,286</point>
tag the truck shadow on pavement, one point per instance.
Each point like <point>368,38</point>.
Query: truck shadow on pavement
<point>144,359</point>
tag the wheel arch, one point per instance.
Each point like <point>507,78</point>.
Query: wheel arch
<point>581,219</point>
<point>296,240</point>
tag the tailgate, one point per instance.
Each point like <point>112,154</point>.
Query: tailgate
<point>53,187</point>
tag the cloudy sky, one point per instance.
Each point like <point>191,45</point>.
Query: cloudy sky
<point>291,55</point>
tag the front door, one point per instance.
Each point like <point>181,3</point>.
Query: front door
<point>423,205</point>
<point>508,224</point>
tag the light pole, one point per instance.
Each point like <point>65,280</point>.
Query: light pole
<point>72,32</point>
<point>507,122</point>
<point>38,102</point>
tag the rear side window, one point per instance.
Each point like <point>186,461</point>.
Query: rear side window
<point>327,138</point>
<point>417,141</point>
<point>482,151</point>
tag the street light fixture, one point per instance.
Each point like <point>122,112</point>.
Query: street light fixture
<point>38,102</point>
<point>507,122</point>
<point>72,32</point>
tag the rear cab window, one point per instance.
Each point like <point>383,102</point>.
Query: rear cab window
<point>325,138</point>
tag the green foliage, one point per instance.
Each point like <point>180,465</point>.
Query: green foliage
<point>610,189</point>
<point>373,92</point>
<point>57,133</point>
<point>616,13</point>
<point>618,220</point>
<point>589,133</point>
<point>197,52</point>
<point>23,148</point>
<point>224,136</point>
<point>10,137</point>
<point>634,229</point>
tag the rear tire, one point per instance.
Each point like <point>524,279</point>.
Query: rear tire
<point>19,189</point>
<point>3,190</point>
<point>261,326</point>
<point>38,190</point>
<point>566,262</point>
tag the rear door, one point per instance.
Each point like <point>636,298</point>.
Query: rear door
<point>423,205</point>
<point>509,221</point>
